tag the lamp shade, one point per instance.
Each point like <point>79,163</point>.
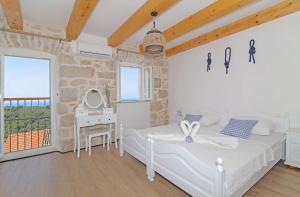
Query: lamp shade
<point>154,41</point>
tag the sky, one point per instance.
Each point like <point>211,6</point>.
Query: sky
<point>26,77</point>
<point>130,83</point>
<point>29,77</point>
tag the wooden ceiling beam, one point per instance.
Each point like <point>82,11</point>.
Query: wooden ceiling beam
<point>13,14</point>
<point>138,20</point>
<point>204,16</point>
<point>279,10</point>
<point>81,12</point>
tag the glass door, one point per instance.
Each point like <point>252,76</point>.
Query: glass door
<point>25,105</point>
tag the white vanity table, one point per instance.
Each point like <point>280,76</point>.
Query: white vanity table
<point>89,113</point>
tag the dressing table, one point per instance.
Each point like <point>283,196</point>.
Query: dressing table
<point>90,112</point>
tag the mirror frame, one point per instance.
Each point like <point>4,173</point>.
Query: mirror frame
<point>101,97</point>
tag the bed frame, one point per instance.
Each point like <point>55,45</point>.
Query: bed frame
<point>180,167</point>
<point>132,144</point>
<point>197,178</point>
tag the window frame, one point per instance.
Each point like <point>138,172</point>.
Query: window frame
<point>54,73</point>
<point>142,95</point>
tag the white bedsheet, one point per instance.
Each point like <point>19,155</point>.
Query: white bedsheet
<point>240,163</point>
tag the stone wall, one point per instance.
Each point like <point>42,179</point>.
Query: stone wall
<point>78,74</point>
<point>159,103</point>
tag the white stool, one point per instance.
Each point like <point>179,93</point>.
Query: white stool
<point>96,133</point>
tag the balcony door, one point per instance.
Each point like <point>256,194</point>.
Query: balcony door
<point>26,105</point>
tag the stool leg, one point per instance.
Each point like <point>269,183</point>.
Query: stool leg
<point>108,140</point>
<point>110,136</point>
<point>110,132</point>
<point>103,142</point>
<point>86,143</point>
<point>90,144</point>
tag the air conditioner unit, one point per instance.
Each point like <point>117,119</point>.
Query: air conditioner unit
<point>93,50</point>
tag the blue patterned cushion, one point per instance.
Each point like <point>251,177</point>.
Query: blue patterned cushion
<point>239,128</point>
<point>192,118</point>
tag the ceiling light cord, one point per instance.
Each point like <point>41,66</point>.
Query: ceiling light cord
<point>154,14</point>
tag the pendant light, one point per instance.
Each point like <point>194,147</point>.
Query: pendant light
<point>154,41</point>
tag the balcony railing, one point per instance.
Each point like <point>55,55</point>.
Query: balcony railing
<point>27,123</point>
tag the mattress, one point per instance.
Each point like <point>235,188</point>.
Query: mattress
<point>240,163</point>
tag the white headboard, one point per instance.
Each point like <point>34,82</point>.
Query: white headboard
<point>281,120</point>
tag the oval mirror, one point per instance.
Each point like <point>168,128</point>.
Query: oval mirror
<point>93,98</point>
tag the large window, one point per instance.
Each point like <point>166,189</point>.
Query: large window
<point>135,83</point>
<point>27,98</point>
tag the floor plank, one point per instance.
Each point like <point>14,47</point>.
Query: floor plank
<point>106,174</point>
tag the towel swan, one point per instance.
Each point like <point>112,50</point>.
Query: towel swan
<point>189,130</point>
<point>190,135</point>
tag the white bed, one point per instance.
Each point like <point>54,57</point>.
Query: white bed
<point>193,167</point>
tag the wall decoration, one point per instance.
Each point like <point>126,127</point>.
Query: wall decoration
<point>227,58</point>
<point>252,51</point>
<point>208,61</point>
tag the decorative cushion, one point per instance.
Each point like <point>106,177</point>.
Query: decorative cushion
<point>263,126</point>
<point>192,117</point>
<point>239,128</point>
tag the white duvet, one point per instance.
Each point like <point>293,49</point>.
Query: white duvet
<point>240,163</point>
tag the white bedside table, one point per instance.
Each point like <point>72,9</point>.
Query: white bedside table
<point>293,148</point>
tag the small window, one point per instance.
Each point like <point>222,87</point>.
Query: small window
<point>147,83</point>
<point>135,83</point>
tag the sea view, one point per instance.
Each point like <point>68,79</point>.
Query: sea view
<point>27,112</point>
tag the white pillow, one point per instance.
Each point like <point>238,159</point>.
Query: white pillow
<point>263,126</point>
<point>209,119</point>
<point>224,121</point>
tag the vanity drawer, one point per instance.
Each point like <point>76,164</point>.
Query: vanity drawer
<point>88,121</point>
<point>105,119</point>
<point>93,120</point>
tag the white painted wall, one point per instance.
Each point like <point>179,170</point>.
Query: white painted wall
<point>271,85</point>
<point>134,115</point>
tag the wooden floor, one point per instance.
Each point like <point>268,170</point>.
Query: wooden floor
<point>106,174</point>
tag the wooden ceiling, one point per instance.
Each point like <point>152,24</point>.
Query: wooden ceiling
<point>140,18</point>
<point>13,14</point>
<point>83,9</point>
<point>80,14</point>
<point>279,10</point>
<point>204,16</point>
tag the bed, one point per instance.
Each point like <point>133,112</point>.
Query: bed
<point>204,170</point>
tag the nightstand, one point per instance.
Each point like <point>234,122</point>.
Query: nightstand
<point>293,148</point>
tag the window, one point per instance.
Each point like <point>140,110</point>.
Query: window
<point>135,83</point>
<point>27,103</point>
